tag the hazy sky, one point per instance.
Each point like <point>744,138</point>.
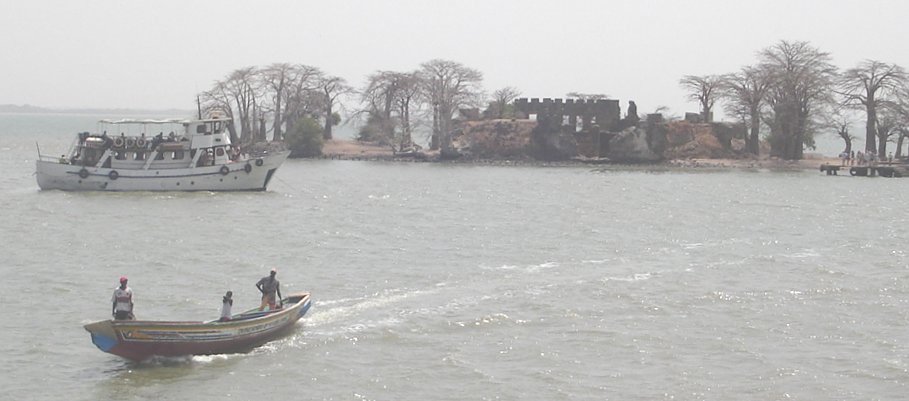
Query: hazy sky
<point>159,54</point>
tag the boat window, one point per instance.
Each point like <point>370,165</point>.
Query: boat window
<point>178,155</point>
<point>201,129</point>
<point>160,156</point>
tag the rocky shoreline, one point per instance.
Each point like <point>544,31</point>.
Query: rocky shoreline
<point>354,150</point>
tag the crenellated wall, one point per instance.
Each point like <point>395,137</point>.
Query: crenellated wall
<point>604,113</point>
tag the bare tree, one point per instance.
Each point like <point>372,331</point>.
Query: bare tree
<point>276,77</point>
<point>867,86</point>
<point>745,91</point>
<point>900,105</point>
<point>408,90</point>
<point>218,98</point>
<point>839,121</point>
<point>888,125</point>
<point>332,88</point>
<point>705,90</point>
<point>302,95</point>
<point>501,98</point>
<point>446,87</point>
<point>802,79</point>
<point>237,95</point>
<point>389,100</point>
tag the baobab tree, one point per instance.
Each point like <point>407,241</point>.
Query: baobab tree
<point>901,107</point>
<point>237,95</point>
<point>744,92</point>
<point>839,121</point>
<point>888,125</point>
<point>289,89</point>
<point>868,86</point>
<point>389,100</point>
<point>331,88</point>
<point>501,98</point>
<point>448,86</point>
<point>802,81</point>
<point>705,90</point>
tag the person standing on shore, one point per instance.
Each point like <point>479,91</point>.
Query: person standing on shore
<point>122,301</point>
<point>269,286</point>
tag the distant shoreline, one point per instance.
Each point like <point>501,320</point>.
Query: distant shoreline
<point>28,109</point>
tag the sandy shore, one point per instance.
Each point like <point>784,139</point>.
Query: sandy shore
<point>354,150</point>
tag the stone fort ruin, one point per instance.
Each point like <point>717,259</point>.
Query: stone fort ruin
<point>602,113</point>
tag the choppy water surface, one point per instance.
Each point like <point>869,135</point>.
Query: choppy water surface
<point>453,282</point>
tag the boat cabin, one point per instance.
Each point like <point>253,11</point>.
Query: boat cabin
<point>143,144</point>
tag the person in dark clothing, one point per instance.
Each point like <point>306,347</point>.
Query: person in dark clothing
<point>269,286</point>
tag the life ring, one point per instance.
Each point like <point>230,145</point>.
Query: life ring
<point>141,142</point>
<point>224,170</point>
<point>119,142</point>
<point>247,168</point>
<point>853,171</point>
<point>259,162</point>
<point>130,142</point>
<point>83,173</point>
<point>113,175</point>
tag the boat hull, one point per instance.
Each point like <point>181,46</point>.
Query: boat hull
<point>249,175</point>
<point>140,340</point>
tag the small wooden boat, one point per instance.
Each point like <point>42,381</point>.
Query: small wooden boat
<point>138,340</point>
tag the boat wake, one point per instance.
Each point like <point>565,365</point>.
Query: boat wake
<point>330,317</point>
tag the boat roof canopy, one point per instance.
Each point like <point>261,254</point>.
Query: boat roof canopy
<point>165,121</point>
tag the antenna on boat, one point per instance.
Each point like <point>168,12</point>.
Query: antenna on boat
<point>199,106</point>
<point>39,149</point>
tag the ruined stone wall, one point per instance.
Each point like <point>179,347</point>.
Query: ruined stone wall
<point>604,113</point>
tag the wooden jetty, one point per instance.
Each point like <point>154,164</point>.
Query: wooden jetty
<point>878,169</point>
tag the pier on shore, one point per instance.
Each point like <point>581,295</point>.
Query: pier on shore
<point>885,169</point>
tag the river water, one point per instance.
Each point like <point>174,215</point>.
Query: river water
<point>463,282</point>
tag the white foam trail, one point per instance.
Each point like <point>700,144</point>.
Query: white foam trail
<point>212,358</point>
<point>634,277</point>
<point>327,316</point>
<point>595,262</point>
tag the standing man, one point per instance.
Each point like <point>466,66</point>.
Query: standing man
<point>122,301</point>
<point>227,302</point>
<point>268,286</point>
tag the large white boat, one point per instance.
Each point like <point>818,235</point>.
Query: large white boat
<point>197,155</point>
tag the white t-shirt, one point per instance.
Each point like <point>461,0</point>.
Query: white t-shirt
<point>123,299</point>
<point>225,309</point>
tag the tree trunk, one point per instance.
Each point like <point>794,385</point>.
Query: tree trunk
<point>882,146</point>
<point>277,125</point>
<point>434,140</point>
<point>899,145</point>
<point>870,125</point>
<point>326,133</point>
<point>232,130</point>
<point>262,129</point>
<point>754,144</point>
<point>848,141</point>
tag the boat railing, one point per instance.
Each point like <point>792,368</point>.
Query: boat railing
<point>54,159</point>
